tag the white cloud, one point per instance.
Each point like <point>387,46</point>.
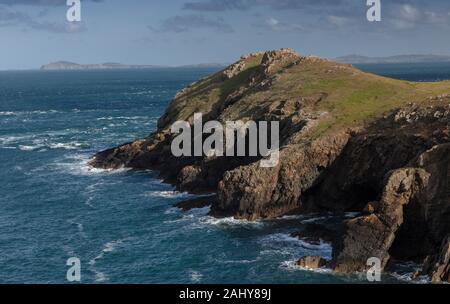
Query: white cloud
<point>280,26</point>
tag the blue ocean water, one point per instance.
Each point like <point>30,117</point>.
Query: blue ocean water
<point>120,224</point>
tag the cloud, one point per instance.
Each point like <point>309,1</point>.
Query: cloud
<point>39,2</point>
<point>10,17</point>
<point>338,21</point>
<point>407,17</point>
<point>186,23</point>
<point>225,5</point>
<point>280,26</point>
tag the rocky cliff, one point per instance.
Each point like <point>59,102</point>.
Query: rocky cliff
<point>350,141</point>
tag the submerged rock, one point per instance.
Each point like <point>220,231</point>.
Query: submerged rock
<point>196,203</point>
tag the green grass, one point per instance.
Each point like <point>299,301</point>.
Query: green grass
<point>352,97</point>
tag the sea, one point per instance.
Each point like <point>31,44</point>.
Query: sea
<point>121,225</point>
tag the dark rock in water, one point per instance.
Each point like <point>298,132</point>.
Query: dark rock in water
<point>196,203</point>
<point>312,262</point>
<point>438,265</point>
<point>344,147</point>
<point>315,234</point>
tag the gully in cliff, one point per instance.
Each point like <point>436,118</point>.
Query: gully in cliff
<point>236,134</point>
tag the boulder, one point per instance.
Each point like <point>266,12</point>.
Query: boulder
<point>312,262</point>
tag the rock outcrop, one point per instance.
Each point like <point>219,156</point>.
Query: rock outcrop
<point>312,262</point>
<point>373,235</point>
<point>349,141</point>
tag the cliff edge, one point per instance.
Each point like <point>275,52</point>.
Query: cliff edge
<point>350,141</point>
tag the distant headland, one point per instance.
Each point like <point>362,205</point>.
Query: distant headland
<point>358,59</point>
<point>71,66</point>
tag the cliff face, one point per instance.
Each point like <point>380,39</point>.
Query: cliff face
<point>350,141</point>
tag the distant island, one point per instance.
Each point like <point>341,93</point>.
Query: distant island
<point>357,59</point>
<point>71,66</point>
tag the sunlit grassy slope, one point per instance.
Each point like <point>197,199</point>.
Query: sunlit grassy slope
<point>350,96</point>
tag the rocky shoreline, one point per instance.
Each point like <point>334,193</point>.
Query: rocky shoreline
<point>350,142</point>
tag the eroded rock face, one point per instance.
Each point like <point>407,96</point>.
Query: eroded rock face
<point>373,235</point>
<point>312,262</point>
<point>252,192</point>
<point>440,268</point>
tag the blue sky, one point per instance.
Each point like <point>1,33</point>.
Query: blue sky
<point>177,32</point>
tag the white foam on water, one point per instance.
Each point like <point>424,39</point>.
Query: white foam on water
<point>6,113</point>
<point>409,270</point>
<point>107,248</point>
<point>168,194</point>
<point>195,276</point>
<point>122,118</point>
<point>194,216</point>
<point>291,265</point>
<point>67,146</point>
<point>315,219</point>
<point>228,222</point>
<point>78,164</point>
<point>32,142</point>
<point>285,239</point>
<point>352,214</point>
<point>292,247</point>
<point>79,226</point>
<point>172,210</point>
<point>30,148</point>
<point>18,113</point>
<point>241,261</point>
<point>292,217</point>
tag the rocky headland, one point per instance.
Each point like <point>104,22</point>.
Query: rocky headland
<point>350,142</point>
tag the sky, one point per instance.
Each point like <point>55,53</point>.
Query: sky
<point>180,32</point>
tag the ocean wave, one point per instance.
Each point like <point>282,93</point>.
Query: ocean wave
<point>168,194</point>
<point>285,244</point>
<point>195,276</point>
<point>79,226</point>
<point>351,215</point>
<point>229,222</point>
<point>195,216</point>
<point>405,271</point>
<point>292,266</point>
<point>316,219</point>
<point>78,164</point>
<point>33,142</point>
<point>30,148</point>
<point>122,117</point>
<point>6,113</point>
<point>241,261</point>
<point>67,146</point>
<point>107,248</point>
<point>19,113</point>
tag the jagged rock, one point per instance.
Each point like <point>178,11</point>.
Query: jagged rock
<point>253,192</point>
<point>196,203</point>
<point>371,207</point>
<point>274,61</point>
<point>439,265</point>
<point>316,234</point>
<point>372,235</point>
<point>312,262</point>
